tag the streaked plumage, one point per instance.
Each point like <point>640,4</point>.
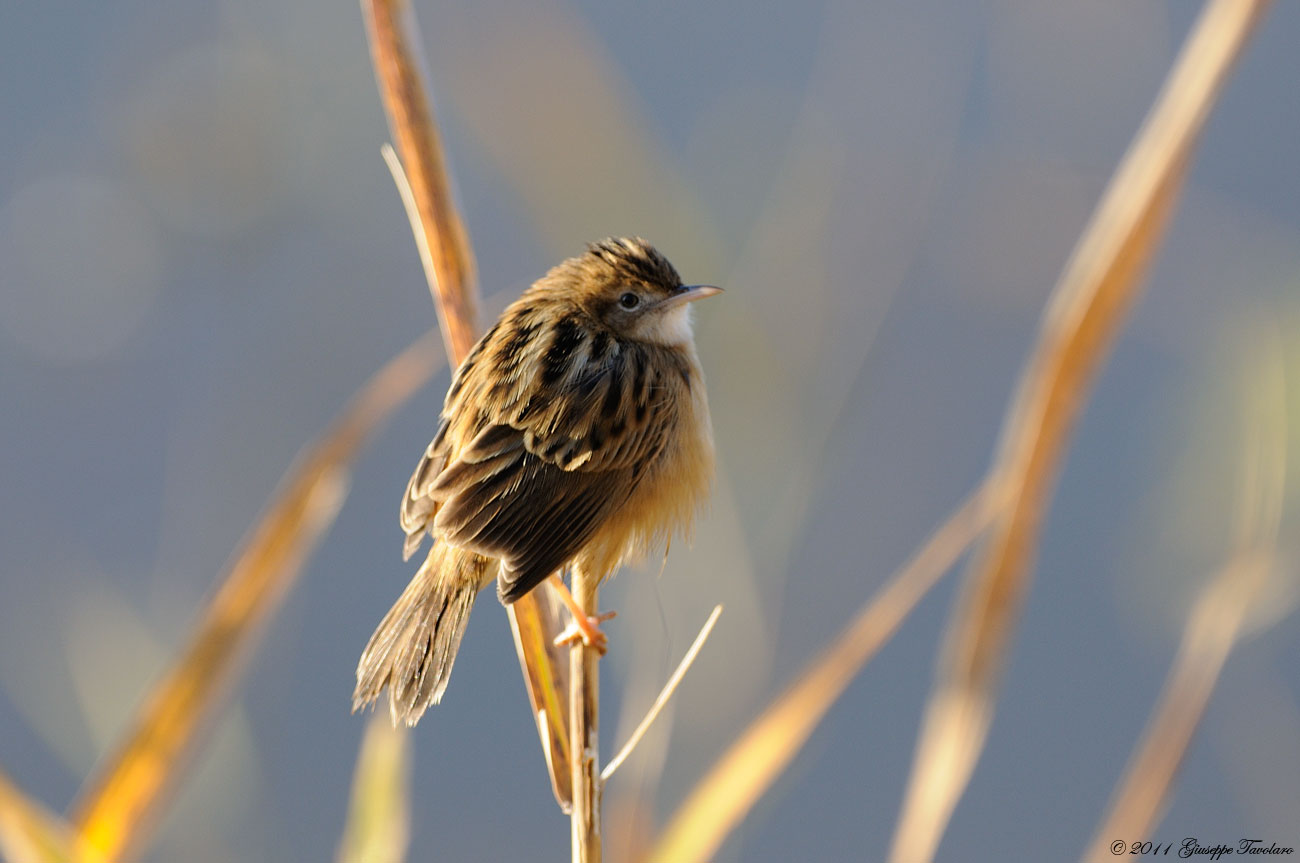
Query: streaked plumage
<point>576,433</point>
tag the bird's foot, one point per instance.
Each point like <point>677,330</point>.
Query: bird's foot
<point>586,629</point>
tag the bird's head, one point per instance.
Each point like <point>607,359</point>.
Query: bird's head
<point>630,287</point>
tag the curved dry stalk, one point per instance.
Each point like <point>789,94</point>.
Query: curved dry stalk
<point>29,832</point>
<point>118,805</point>
<point>750,765</point>
<point>664,695</point>
<point>379,818</point>
<point>1088,306</point>
<point>1211,630</point>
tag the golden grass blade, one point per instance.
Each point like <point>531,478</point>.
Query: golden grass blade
<point>32,834</point>
<point>423,183</point>
<point>379,818</point>
<point>1212,628</point>
<point>750,766</point>
<point>118,805</point>
<point>1088,305</point>
<point>666,693</point>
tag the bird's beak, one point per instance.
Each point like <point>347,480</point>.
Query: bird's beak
<point>689,294</point>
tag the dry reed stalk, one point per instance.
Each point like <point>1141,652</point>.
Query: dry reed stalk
<point>449,269</point>
<point>379,818</point>
<point>1088,305</point>
<point>119,804</point>
<point>32,834</point>
<point>1212,627</point>
<point>584,728</point>
<point>440,231</point>
<point>1211,630</point>
<point>750,765</point>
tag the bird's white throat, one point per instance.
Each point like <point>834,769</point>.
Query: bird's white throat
<point>672,327</point>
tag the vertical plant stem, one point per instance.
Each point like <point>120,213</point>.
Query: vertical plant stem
<point>584,713</point>
<point>442,232</point>
<point>420,172</point>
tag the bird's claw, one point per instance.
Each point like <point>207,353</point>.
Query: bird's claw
<point>586,629</point>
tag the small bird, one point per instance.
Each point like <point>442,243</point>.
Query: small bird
<point>576,433</point>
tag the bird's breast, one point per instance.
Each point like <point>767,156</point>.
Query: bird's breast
<point>670,490</point>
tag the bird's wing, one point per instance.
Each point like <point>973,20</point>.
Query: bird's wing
<point>507,502</point>
<point>418,508</point>
<point>552,439</point>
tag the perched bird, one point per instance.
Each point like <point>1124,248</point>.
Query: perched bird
<point>575,434</point>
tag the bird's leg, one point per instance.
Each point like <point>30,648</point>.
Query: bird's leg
<point>581,626</point>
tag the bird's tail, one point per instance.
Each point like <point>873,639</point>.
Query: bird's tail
<point>414,647</point>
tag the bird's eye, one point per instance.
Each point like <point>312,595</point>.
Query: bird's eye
<point>629,301</point>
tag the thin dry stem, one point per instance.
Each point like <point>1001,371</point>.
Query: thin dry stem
<point>1212,627</point>
<point>1088,306</point>
<point>412,208</point>
<point>664,695</point>
<point>584,728</point>
<point>753,762</point>
<point>119,804</point>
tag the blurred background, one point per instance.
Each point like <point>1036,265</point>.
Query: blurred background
<point>202,256</point>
